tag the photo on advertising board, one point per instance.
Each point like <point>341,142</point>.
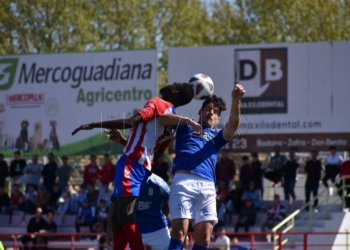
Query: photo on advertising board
<point>43,98</point>
<point>296,94</point>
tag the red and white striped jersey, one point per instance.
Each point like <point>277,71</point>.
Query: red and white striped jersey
<point>146,137</point>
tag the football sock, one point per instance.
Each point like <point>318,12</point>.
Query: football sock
<point>133,235</point>
<point>119,241</point>
<point>176,245</point>
<point>197,247</point>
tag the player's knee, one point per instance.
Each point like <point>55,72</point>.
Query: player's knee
<point>178,230</point>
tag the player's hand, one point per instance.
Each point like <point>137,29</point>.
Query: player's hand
<point>115,135</point>
<point>238,92</point>
<point>196,127</point>
<point>109,238</point>
<point>83,127</point>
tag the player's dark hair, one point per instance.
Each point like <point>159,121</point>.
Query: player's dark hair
<point>217,101</point>
<point>106,155</point>
<point>332,148</point>
<point>17,153</point>
<point>182,96</point>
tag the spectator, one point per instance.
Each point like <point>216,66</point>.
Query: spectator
<point>253,194</point>
<point>36,227</point>
<point>161,168</point>
<point>258,169</point>
<point>29,200</point>
<point>275,166</point>
<point>68,202</point>
<point>246,173</point>
<point>275,214</point>
<point>333,162</point>
<point>92,172</point>
<point>49,173</point>
<point>107,171</point>
<point>64,173</point>
<point>313,170</point>
<point>4,170</point>
<point>43,198</point>
<point>345,171</point>
<point>236,246</point>
<point>5,201</point>
<point>221,199</point>
<point>102,213</point>
<point>16,197</point>
<point>235,196</point>
<point>222,242</point>
<point>290,170</point>
<point>86,216</point>
<point>55,195</point>
<point>16,168</point>
<point>105,194</point>
<point>32,173</point>
<point>51,225</point>
<point>225,169</point>
<point>92,194</point>
<point>247,216</point>
<point>82,194</point>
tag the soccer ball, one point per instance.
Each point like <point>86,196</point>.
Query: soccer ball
<point>203,86</point>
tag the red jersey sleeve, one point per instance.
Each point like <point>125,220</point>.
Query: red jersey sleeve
<point>154,108</point>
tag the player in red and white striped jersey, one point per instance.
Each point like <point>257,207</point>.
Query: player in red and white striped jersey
<point>135,165</point>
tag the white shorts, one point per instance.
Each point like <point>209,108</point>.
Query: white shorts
<point>192,197</point>
<point>158,240</point>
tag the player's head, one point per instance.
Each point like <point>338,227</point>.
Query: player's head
<point>179,94</point>
<point>209,114</point>
<point>333,149</point>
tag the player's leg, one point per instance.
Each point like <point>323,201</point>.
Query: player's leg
<point>205,215</point>
<point>129,177</point>
<point>181,204</point>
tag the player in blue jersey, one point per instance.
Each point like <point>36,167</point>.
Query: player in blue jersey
<point>193,194</point>
<point>148,213</point>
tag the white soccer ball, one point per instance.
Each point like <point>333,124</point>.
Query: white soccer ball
<point>203,86</point>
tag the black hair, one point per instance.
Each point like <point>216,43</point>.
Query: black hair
<point>51,154</point>
<point>183,95</point>
<point>217,101</point>
<point>17,153</point>
<point>1,155</point>
<point>106,155</point>
<point>105,183</point>
<point>314,151</point>
<point>93,156</point>
<point>254,154</point>
<point>332,148</point>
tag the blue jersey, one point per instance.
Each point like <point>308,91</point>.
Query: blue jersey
<point>148,214</point>
<point>198,154</point>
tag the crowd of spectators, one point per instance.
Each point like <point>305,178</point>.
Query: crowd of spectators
<point>241,192</point>
<point>38,189</point>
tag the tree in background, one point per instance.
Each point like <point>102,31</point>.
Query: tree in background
<point>32,26</point>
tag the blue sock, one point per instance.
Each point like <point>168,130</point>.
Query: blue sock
<point>196,247</point>
<point>176,245</point>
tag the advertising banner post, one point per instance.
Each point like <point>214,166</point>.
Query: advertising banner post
<point>44,97</point>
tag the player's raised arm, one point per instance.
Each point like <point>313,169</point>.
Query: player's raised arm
<point>114,124</point>
<point>171,120</point>
<point>235,114</point>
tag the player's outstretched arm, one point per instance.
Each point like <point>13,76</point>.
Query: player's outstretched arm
<point>114,124</point>
<point>171,120</point>
<point>233,122</point>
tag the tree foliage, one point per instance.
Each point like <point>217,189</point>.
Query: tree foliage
<point>40,26</point>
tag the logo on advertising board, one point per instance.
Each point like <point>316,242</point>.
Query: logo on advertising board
<point>8,67</point>
<point>263,73</point>
<point>32,99</point>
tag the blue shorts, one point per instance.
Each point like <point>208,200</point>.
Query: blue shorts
<point>129,176</point>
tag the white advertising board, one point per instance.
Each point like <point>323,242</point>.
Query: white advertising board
<point>297,95</point>
<point>43,98</point>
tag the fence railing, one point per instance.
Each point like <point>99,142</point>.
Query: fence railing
<point>291,221</point>
<point>69,241</point>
